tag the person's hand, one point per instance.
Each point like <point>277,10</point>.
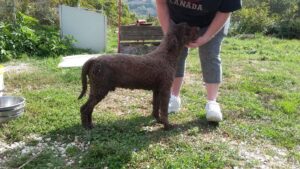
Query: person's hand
<point>198,42</point>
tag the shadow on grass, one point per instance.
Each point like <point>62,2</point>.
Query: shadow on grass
<point>113,144</point>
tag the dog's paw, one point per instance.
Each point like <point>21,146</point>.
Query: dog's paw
<point>158,120</point>
<point>88,126</point>
<point>168,127</point>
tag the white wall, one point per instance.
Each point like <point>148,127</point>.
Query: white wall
<point>87,27</point>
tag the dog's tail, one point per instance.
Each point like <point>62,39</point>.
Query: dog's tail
<point>85,69</point>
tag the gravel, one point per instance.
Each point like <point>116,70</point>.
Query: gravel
<point>264,155</point>
<point>59,148</point>
<point>257,154</point>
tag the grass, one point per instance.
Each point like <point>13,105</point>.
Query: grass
<point>260,99</point>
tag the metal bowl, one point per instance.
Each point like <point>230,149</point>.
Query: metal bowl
<point>4,119</point>
<point>11,107</point>
<point>13,112</point>
<point>11,102</point>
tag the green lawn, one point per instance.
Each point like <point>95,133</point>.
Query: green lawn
<point>260,99</point>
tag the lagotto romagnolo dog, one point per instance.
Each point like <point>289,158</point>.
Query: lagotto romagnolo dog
<point>154,71</point>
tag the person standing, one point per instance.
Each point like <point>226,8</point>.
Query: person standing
<point>212,17</point>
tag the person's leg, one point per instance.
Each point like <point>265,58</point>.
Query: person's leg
<point>176,86</point>
<point>212,91</point>
<point>212,75</point>
<point>175,101</point>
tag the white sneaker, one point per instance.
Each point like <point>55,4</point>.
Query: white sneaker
<point>213,111</point>
<point>174,104</point>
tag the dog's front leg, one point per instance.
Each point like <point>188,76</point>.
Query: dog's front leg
<point>155,102</point>
<point>164,97</point>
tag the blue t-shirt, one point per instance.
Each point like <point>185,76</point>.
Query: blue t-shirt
<point>200,12</point>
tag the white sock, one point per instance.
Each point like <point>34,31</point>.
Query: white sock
<point>212,101</point>
<point>174,96</point>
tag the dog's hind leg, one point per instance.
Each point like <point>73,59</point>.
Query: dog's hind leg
<point>86,112</point>
<point>87,109</point>
<point>155,102</point>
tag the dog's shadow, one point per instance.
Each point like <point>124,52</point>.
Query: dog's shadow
<point>112,144</point>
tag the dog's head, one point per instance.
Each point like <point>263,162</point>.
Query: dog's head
<point>184,33</point>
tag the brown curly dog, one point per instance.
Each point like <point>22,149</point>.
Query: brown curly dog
<point>154,71</point>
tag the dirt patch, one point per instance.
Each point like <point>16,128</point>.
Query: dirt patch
<point>16,68</point>
<point>121,101</point>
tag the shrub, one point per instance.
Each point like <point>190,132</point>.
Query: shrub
<point>26,36</point>
<point>288,22</point>
<point>284,8</point>
<point>253,20</point>
<point>287,29</point>
<point>277,17</point>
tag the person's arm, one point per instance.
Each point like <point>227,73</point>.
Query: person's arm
<point>216,25</point>
<point>163,14</point>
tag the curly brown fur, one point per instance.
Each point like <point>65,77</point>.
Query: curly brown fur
<point>154,71</point>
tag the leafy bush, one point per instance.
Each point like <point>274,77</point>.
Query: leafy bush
<point>287,29</point>
<point>280,18</point>
<point>253,20</point>
<point>288,22</point>
<point>26,36</point>
<point>283,7</point>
